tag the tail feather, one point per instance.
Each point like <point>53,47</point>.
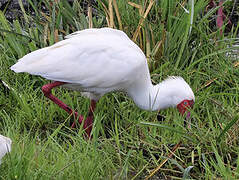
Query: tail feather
<point>24,64</point>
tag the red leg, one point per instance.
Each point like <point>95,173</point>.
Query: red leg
<point>89,120</point>
<point>47,92</point>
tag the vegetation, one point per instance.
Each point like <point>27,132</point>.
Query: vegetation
<point>128,143</point>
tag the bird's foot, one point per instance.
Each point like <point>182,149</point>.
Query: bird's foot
<point>88,123</point>
<point>81,119</point>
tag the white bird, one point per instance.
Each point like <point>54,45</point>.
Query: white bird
<point>98,61</point>
<point>5,146</point>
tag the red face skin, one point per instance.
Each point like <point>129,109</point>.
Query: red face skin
<point>184,105</point>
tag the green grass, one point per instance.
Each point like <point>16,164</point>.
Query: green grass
<point>128,143</point>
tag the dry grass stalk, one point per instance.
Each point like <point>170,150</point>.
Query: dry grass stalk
<point>141,21</point>
<point>111,14</point>
<point>106,13</point>
<point>56,35</point>
<point>169,156</point>
<point>45,33</point>
<point>117,14</point>
<point>136,6</point>
<point>236,64</point>
<point>208,83</point>
<point>148,48</point>
<point>90,17</point>
<point>45,16</point>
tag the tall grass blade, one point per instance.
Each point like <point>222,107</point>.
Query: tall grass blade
<point>228,126</point>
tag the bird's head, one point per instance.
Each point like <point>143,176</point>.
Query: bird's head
<point>184,106</point>
<point>185,97</point>
<point>176,92</point>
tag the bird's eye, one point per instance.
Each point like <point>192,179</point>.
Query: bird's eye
<point>185,103</point>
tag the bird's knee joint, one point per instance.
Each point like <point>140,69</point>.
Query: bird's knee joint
<point>46,89</point>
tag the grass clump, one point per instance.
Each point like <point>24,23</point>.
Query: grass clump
<point>128,143</point>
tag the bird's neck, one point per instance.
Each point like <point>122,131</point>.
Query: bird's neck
<point>152,97</point>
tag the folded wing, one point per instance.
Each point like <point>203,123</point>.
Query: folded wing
<point>91,58</point>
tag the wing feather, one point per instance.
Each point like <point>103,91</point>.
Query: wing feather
<point>91,58</point>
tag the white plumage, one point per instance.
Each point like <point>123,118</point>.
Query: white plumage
<point>98,61</point>
<point>5,146</point>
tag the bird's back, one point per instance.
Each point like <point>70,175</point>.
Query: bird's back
<point>94,59</point>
